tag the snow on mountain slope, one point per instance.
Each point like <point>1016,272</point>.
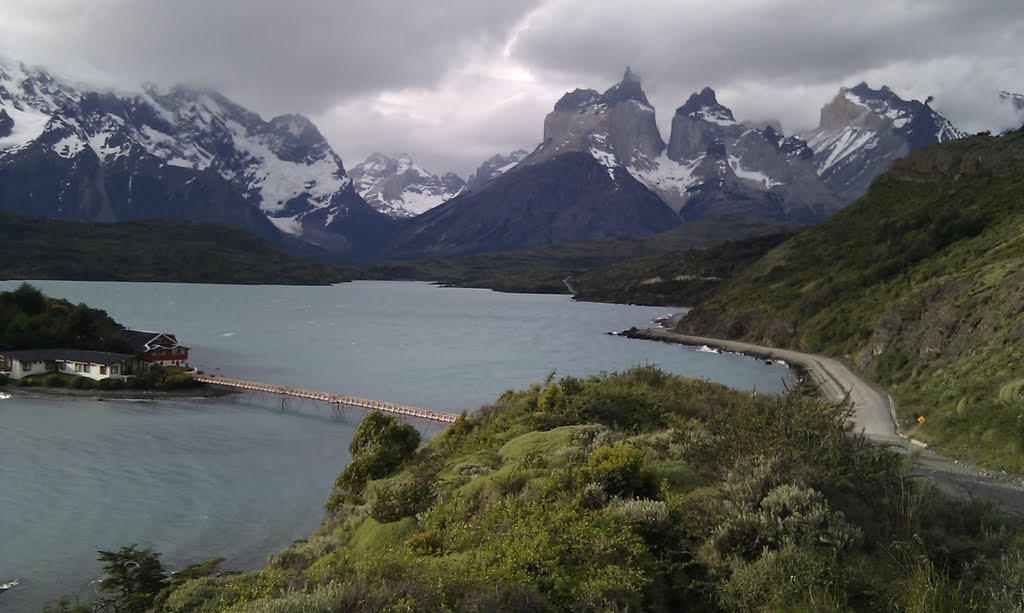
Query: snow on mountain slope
<point>282,167</point>
<point>397,186</point>
<point>861,132</point>
<point>752,167</point>
<point>494,167</point>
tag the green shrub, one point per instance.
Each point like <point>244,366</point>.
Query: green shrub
<point>405,498</point>
<point>4,380</point>
<point>83,383</point>
<point>792,579</point>
<point>620,471</point>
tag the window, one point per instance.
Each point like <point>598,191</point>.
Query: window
<point>103,370</point>
<point>115,369</point>
<point>88,368</point>
<point>26,365</point>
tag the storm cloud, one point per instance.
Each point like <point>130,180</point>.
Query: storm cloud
<point>453,82</point>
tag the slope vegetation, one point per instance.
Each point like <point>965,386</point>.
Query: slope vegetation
<point>638,491</point>
<point>163,251</point>
<point>919,284</point>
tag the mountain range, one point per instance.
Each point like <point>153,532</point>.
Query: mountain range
<point>74,154</point>
<point>603,169</point>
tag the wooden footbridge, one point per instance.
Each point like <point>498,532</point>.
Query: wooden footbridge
<point>336,400</point>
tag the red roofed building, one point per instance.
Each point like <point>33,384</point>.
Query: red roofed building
<point>157,347</point>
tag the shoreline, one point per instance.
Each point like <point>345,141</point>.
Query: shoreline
<point>874,417</point>
<point>200,392</point>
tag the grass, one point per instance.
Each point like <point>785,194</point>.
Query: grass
<point>644,491</point>
<point>918,285</point>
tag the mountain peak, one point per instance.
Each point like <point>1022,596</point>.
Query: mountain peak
<point>397,186</point>
<point>578,99</point>
<point>863,129</point>
<point>704,105</point>
<point>629,88</point>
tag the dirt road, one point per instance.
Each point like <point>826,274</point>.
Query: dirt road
<point>875,417</point>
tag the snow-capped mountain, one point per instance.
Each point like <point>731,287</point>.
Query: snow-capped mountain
<point>396,186</point>
<point>861,132</point>
<point>495,166</point>
<point>760,174</point>
<point>73,153</point>
<point>745,168</point>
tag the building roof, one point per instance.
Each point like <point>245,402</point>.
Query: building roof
<point>140,340</point>
<point>66,355</point>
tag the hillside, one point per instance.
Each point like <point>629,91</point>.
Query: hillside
<point>542,270</point>
<point>918,284</point>
<point>637,491</point>
<point>677,278</point>
<point>159,251</point>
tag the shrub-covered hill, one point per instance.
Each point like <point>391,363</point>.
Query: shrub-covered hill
<point>635,491</point>
<point>920,284</point>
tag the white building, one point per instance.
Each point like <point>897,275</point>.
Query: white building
<point>96,365</point>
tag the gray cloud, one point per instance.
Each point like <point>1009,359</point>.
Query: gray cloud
<point>765,57</point>
<point>454,82</point>
<point>299,54</point>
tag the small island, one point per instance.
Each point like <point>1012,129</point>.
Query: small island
<point>52,343</point>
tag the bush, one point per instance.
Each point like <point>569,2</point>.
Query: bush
<point>405,498</point>
<point>4,380</point>
<point>619,470</point>
<point>379,446</point>
<point>83,383</point>
<point>111,384</point>
<point>55,381</point>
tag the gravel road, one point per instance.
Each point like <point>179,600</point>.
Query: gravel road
<point>875,417</point>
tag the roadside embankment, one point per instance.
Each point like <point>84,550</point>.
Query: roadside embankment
<point>873,416</point>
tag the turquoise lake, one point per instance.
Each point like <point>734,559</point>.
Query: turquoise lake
<point>239,476</point>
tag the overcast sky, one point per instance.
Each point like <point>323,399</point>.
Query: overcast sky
<point>452,82</point>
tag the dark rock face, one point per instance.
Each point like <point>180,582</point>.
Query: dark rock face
<point>570,197</point>
<point>578,99</point>
<point>618,126</point>
<point>705,102</point>
<point>6,124</point>
<point>629,88</point>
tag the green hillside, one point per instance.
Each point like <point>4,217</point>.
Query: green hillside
<point>637,491</point>
<point>165,251</point>
<point>920,284</point>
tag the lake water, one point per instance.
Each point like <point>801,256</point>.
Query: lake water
<point>239,476</point>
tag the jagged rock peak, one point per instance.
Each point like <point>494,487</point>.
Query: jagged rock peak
<point>578,99</point>
<point>629,88</point>
<point>397,186</point>
<point>495,166</point>
<point>6,124</point>
<point>704,105</point>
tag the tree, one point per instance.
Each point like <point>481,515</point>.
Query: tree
<point>380,445</point>
<point>133,579</point>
